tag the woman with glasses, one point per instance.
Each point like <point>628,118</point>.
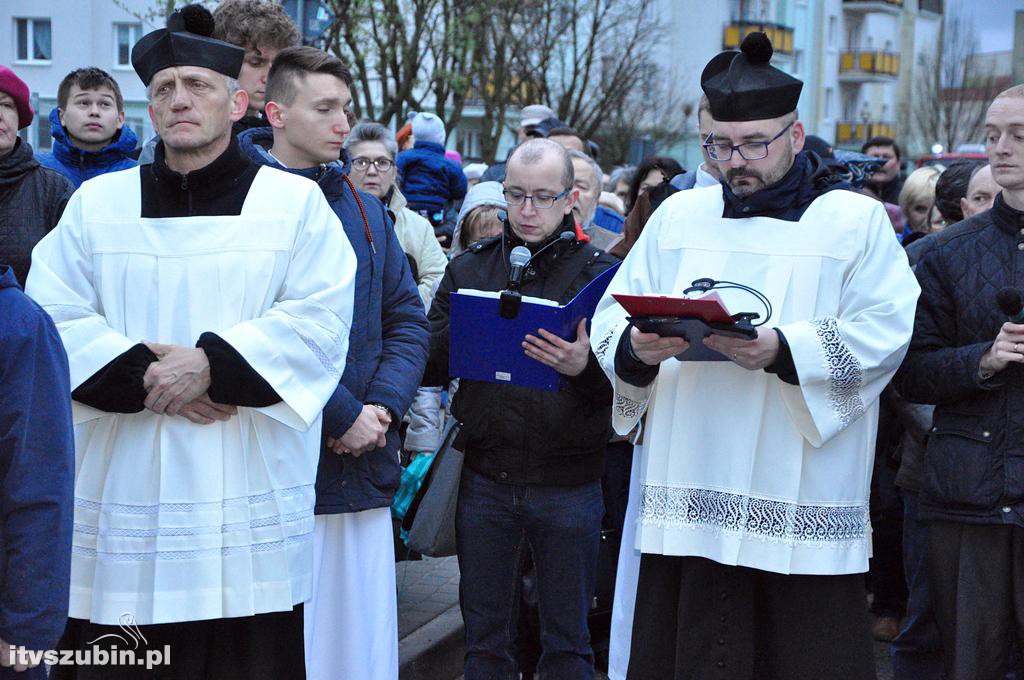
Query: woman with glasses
<point>371,151</point>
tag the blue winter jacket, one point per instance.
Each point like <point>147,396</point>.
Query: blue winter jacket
<point>78,165</point>
<point>37,471</point>
<point>429,180</point>
<point>388,342</point>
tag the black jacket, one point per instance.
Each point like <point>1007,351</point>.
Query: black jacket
<point>513,434</point>
<point>32,199</point>
<point>973,469</point>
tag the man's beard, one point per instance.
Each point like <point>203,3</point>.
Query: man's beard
<point>756,181</point>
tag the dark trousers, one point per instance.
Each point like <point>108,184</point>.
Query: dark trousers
<point>494,523</point>
<point>977,579</point>
<point>885,577</point>
<point>917,651</point>
<point>696,619</point>
<point>261,647</point>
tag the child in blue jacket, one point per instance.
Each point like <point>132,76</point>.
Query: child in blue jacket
<point>429,180</point>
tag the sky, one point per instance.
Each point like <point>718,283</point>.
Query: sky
<point>993,20</point>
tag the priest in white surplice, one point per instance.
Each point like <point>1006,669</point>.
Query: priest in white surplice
<point>753,521</point>
<point>205,304</point>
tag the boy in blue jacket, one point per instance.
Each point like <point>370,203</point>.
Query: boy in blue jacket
<point>89,134</point>
<point>430,182</point>
<point>37,472</point>
<point>351,620</point>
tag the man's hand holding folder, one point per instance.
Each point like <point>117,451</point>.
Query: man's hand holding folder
<point>568,358</point>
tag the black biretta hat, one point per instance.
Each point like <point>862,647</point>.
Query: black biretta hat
<point>744,86</point>
<point>186,42</point>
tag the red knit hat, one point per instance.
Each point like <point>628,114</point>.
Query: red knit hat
<point>18,90</point>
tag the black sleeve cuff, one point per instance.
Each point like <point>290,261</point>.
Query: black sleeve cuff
<point>783,365</point>
<point>232,380</point>
<point>629,368</point>
<point>117,387</point>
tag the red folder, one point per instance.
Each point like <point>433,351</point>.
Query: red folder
<point>708,308</point>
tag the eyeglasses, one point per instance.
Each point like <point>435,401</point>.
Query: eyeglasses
<point>361,163</point>
<point>749,151</point>
<point>540,201</point>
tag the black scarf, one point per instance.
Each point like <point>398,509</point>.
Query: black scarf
<point>787,199</point>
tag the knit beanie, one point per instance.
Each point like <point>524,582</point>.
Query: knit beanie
<point>427,127</point>
<point>15,87</point>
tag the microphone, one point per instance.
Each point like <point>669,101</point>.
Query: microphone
<point>1011,303</point>
<point>517,259</point>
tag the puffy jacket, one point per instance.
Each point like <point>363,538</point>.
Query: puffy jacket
<point>79,165</point>
<point>388,341</point>
<point>513,434</point>
<point>37,470</point>
<point>32,199</point>
<point>973,468</point>
<point>429,180</point>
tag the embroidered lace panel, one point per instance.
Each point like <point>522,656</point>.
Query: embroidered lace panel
<point>844,371</point>
<point>767,519</point>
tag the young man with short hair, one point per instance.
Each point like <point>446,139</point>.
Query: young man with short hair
<point>885,183</point>
<point>351,621</point>
<point>262,29</point>
<point>89,134</point>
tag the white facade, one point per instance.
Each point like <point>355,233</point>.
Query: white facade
<point>81,33</point>
<point>832,42</point>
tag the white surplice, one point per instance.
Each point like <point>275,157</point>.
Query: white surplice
<point>741,467</point>
<point>176,521</point>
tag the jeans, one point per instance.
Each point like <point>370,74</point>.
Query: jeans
<point>917,651</point>
<point>562,525</point>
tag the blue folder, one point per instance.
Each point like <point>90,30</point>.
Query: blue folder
<point>483,346</point>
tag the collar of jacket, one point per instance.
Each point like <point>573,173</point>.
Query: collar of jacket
<point>17,163</point>
<point>1006,218</point>
<point>7,279</point>
<point>213,179</point>
<point>430,146</point>
<point>256,143</point>
<point>64,150</point>
<point>787,199</point>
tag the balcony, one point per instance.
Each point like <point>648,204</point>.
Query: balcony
<point>869,6</point>
<point>868,67</point>
<point>858,132</point>
<point>781,36</point>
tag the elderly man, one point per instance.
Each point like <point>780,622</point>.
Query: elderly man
<point>197,447</point>
<point>32,197</point>
<point>529,477</point>
<point>587,181</point>
<point>753,522</point>
<point>965,358</point>
<point>981,193</point>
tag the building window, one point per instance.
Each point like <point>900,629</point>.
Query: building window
<point>34,43</point>
<point>137,127</point>
<point>798,61</point>
<point>828,103</point>
<point>833,21</point>
<point>125,35</point>
<point>44,140</point>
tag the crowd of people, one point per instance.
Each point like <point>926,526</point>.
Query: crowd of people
<point>220,347</point>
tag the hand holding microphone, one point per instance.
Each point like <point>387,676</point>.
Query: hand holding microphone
<point>1008,347</point>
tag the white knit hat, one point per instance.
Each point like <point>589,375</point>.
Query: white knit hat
<point>428,128</point>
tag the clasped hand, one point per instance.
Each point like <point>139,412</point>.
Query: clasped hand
<point>177,384</point>
<point>367,433</point>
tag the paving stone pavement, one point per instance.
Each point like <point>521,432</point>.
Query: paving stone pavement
<point>426,589</point>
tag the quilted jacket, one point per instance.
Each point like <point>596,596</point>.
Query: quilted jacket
<point>32,199</point>
<point>973,468</point>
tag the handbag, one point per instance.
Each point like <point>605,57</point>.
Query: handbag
<point>430,520</point>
